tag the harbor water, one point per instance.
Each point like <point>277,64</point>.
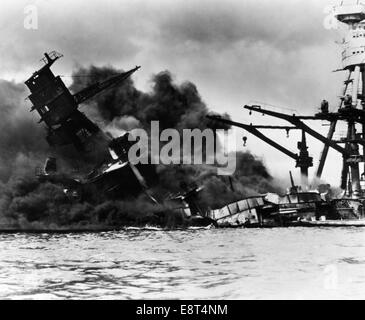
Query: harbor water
<point>281,263</point>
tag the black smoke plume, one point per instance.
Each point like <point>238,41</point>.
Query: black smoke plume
<point>27,203</point>
<point>174,106</point>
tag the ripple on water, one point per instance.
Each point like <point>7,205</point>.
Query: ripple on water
<point>213,264</point>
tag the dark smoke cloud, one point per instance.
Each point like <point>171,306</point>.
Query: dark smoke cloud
<point>27,203</point>
<point>22,142</point>
<point>178,106</point>
<point>251,178</point>
<point>174,106</point>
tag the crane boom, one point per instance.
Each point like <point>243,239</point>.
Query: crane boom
<point>295,121</point>
<point>257,133</point>
<point>97,87</point>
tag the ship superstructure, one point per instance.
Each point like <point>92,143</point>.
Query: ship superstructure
<point>349,111</point>
<point>351,107</point>
<point>58,107</point>
<point>113,175</point>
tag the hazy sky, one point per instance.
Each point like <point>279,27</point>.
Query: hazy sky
<point>274,51</point>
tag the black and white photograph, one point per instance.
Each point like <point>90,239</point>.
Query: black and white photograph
<point>200,151</point>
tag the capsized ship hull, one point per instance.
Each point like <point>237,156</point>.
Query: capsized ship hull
<point>302,209</point>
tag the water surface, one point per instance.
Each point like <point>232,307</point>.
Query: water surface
<point>294,263</point>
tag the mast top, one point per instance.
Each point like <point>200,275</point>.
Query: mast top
<point>350,13</point>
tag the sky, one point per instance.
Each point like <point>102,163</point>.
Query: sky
<point>277,52</point>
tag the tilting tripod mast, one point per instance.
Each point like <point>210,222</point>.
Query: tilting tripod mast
<point>353,60</point>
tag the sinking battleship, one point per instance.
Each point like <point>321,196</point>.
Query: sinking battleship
<point>112,175</point>
<point>316,207</point>
<point>57,107</point>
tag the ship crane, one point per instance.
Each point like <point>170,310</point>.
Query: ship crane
<point>350,154</point>
<point>303,160</point>
<point>298,123</point>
